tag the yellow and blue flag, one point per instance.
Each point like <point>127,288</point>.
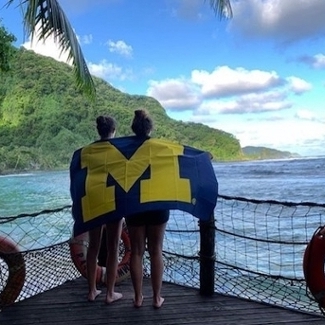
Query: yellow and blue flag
<point>122,176</point>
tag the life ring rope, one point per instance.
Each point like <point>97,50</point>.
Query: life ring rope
<point>78,251</point>
<point>12,256</point>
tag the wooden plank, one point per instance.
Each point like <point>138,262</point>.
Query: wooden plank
<point>67,304</point>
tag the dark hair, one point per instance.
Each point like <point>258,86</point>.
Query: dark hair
<point>142,123</point>
<point>106,125</point>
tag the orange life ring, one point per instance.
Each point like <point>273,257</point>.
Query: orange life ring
<point>11,255</point>
<point>78,251</point>
<point>313,266</point>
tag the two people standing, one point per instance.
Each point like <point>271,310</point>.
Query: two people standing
<point>146,228</point>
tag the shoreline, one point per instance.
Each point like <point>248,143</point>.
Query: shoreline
<point>247,159</point>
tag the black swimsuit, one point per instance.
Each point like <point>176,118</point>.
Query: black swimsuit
<point>148,218</point>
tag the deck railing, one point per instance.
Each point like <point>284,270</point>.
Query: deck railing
<point>250,248</point>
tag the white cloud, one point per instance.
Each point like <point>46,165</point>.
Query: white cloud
<point>285,134</point>
<point>252,103</point>
<point>103,69</point>
<point>120,47</point>
<point>305,114</point>
<point>298,85</point>
<point>174,94</point>
<point>226,91</point>
<point>225,81</point>
<point>283,20</point>
<point>109,71</point>
<point>319,62</point>
<point>239,95</point>
<point>316,62</point>
<point>48,48</point>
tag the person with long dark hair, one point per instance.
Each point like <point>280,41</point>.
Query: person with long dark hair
<point>146,228</point>
<point>106,128</point>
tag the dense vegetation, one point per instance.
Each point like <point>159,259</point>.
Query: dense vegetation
<point>6,48</point>
<point>267,153</point>
<point>44,117</point>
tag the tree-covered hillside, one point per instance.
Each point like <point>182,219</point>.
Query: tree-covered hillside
<point>267,153</point>
<point>44,117</point>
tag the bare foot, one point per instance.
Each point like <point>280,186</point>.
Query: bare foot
<point>157,303</point>
<point>114,297</point>
<point>137,302</point>
<point>92,295</point>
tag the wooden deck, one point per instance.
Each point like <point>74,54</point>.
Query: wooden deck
<point>67,305</point>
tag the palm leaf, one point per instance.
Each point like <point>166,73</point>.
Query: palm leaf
<point>50,19</point>
<point>45,18</point>
<point>222,8</point>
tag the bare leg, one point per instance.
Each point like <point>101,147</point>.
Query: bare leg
<point>113,231</point>
<point>95,236</point>
<point>138,241</point>
<point>155,246</point>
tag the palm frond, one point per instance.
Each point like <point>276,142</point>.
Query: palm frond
<point>222,8</point>
<point>50,20</point>
<point>45,18</point>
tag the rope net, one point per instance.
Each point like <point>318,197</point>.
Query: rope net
<point>259,250</point>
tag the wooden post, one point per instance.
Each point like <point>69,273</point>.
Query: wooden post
<point>207,256</point>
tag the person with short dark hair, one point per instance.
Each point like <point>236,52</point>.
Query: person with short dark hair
<point>146,227</point>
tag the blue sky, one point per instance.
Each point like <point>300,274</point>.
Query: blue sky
<point>259,76</point>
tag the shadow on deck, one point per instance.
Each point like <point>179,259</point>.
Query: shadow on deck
<point>67,304</point>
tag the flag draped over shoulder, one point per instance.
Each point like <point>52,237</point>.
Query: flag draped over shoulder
<point>122,176</point>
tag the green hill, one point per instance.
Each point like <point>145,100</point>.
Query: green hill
<point>44,117</point>
<point>267,153</point>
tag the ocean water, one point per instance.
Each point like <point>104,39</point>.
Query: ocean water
<point>33,192</point>
<point>294,180</point>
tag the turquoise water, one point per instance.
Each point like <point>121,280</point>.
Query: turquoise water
<point>296,180</point>
<point>33,192</point>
